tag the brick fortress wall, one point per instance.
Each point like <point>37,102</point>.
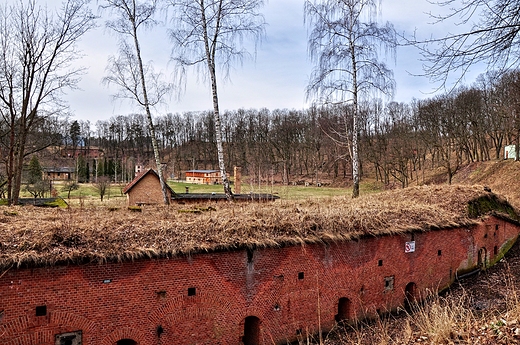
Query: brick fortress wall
<point>254,297</point>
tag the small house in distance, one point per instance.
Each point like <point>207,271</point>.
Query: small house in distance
<point>203,176</point>
<point>145,189</point>
<point>59,173</point>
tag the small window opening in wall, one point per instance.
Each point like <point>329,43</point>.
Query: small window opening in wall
<point>380,263</point>
<point>439,252</point>
<point>496,227</point>
<point>41,310</point>
<point>126,342</point>
<point>495,250</point>
<point>192,291</point>
<point>301,275</point>
<point>485,235</point>
<point>389,283</point>
<point>413,237</point>
<point>159,330</point>
<point>299,331</point>
<point>71,338</point>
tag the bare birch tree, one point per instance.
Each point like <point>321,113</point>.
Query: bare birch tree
<point>211,32</point>
<point>344,43</point>
<point>137,81</point>
<point>37,51</point>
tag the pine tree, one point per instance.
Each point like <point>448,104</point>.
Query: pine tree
<point>35,171</point>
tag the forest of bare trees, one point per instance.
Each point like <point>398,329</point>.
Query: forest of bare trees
<point>349,132</point>
<point>398,141</point>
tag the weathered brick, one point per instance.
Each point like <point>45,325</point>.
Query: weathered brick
<point>285,291</point>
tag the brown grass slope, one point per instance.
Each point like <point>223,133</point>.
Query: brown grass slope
<point>501,176</point>
<point>33,236</point>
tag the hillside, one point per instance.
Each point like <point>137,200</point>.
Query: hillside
<point>501,176</point>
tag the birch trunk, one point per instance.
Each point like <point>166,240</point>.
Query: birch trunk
<point>210,58</point>
<point>151,127</point>
<point>355,125</point>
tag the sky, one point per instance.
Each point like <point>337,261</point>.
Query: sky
<point>275,79</point>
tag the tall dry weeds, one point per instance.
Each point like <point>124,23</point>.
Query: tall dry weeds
<point>443,320</point>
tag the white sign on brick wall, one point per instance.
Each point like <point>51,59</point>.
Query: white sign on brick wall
<point>409,247</point>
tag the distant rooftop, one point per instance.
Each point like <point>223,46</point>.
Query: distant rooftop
<point>202,171</point>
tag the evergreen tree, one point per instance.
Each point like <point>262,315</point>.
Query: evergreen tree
<point>35,171</point>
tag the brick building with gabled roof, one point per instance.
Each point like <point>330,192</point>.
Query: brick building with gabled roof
<point>145,188</point>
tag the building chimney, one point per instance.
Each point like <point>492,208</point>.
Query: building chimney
<point>238,179</point>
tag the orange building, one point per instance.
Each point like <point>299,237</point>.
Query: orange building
<point>203,176</point>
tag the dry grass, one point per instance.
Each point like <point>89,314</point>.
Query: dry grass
<point>37,236</point>
<point>444,320</point>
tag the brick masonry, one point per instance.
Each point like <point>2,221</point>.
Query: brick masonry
<point>262,296</point>
<point>145,189</point>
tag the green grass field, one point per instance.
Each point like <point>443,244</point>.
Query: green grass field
<point>87,193</point>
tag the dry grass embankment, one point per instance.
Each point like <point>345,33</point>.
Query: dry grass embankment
<point>34,236</point>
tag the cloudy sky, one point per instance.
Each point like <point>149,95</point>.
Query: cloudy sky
<point>276,78</point>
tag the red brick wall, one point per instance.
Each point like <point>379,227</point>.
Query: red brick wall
<point>147,191</point>
<point>133,300</point>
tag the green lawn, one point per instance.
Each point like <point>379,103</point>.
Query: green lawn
<point>284,192</point>
<point>88,192</point>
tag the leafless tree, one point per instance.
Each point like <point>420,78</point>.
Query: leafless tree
<point>211,33</point>
<point>101,186</point>
<point>135,80</point>
<point>493,38</point>
<point>345,42</point>
<point>37,49</point>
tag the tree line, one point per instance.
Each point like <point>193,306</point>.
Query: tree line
<point>397,140</point>
<point>349,123</point>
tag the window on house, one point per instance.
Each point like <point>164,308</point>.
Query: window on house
<point>301,275</point>
<point>380,263</point>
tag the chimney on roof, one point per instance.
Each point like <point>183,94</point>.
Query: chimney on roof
<point>238,179</point>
